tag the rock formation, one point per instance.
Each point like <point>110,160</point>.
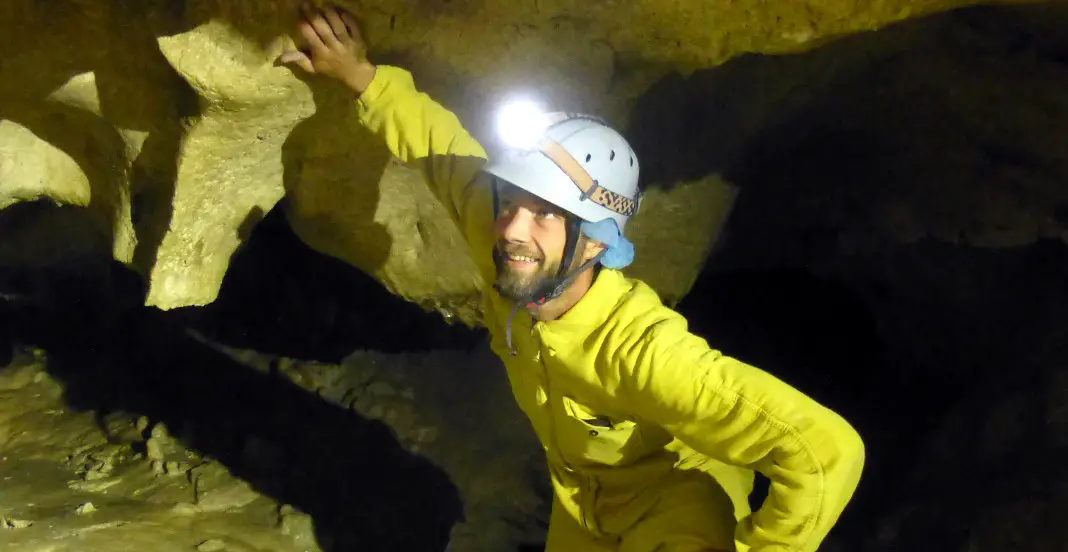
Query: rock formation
<point>172,132</point>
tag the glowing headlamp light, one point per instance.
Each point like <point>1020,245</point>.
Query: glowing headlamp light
<point>521,124</point>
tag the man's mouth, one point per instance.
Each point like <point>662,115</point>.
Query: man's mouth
<point>518,260</point>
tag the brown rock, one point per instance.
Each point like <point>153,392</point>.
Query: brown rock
<point>176,135</point>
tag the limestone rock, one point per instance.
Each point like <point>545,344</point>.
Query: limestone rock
<point>11,523</point>
<point>26,369</point>
<point>161,446</point>
<point>171,131</point>
<point>298,525</point>
<point>27,162</point>
<point>212,545</point>
<point>217,490</point>
<point>824,167</point>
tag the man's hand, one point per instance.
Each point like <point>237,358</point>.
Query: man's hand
<point>334,48</point>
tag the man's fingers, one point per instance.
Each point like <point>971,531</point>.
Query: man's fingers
<point>322,28</point>
<point>312,37</point>
<point>354,30</point>
<point>337,25</point>
<point>300,59</point>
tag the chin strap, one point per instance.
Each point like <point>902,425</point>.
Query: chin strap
<point>555,287</point>
<point>551,290</point>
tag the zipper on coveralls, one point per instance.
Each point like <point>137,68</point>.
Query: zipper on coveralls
<point>587,483</point>
<point>548,403</point>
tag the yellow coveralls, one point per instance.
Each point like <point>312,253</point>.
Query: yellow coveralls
<point>651,437</point>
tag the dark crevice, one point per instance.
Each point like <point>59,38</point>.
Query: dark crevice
<point>281,297</point>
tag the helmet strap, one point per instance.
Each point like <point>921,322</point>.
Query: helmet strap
<point>557,286</point>
<point>573,230</point>
<point>495,185</point>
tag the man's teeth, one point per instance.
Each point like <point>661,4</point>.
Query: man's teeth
<point>522,258</point>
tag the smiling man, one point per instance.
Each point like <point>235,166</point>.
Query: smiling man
<point>652,437</point>
<point>527,227</point>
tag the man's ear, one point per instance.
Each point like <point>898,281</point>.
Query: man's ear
<point>590,248</point>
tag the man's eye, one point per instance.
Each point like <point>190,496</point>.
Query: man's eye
<point>546,214</point>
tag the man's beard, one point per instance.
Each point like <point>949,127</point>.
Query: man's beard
<point>520,286</point>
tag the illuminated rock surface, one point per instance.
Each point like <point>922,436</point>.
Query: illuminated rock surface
<point>174,130</point>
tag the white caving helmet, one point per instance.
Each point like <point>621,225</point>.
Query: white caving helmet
<point>576,162</point>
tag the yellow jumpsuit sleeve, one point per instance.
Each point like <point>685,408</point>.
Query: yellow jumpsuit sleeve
<point>422,133</point>
<point>743,416</point>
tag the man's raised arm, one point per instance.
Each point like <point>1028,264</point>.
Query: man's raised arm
<point>417,130</point>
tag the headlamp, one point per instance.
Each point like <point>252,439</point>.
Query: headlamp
<point>521,124</point>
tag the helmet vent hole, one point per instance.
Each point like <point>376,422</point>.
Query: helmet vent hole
<point>632,161</point>
<point>588,157</point>
<point>612,155</point>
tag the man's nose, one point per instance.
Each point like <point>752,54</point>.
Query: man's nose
<point>514,225</point>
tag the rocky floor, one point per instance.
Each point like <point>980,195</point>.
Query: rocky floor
<point>362,456</point>
<point>75,481</point>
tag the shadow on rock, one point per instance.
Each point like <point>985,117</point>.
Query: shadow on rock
<point>323,169</point>
<point>362,490</point>
<point>281,297</point>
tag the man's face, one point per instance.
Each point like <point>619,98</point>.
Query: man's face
<point>531,235</point>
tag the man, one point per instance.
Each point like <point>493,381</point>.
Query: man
<point>651,437</point>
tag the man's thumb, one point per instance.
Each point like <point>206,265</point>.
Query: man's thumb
<point>298,58</point>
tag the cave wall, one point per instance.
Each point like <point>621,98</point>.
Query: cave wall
<point>171,128</point>
<point>925,164</point>
<point>949,128</point>
<point>897,250</point>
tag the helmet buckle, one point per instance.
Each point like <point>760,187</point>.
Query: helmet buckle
<point>589,192</point>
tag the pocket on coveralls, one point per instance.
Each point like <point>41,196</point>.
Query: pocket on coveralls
<point>599,438</point>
